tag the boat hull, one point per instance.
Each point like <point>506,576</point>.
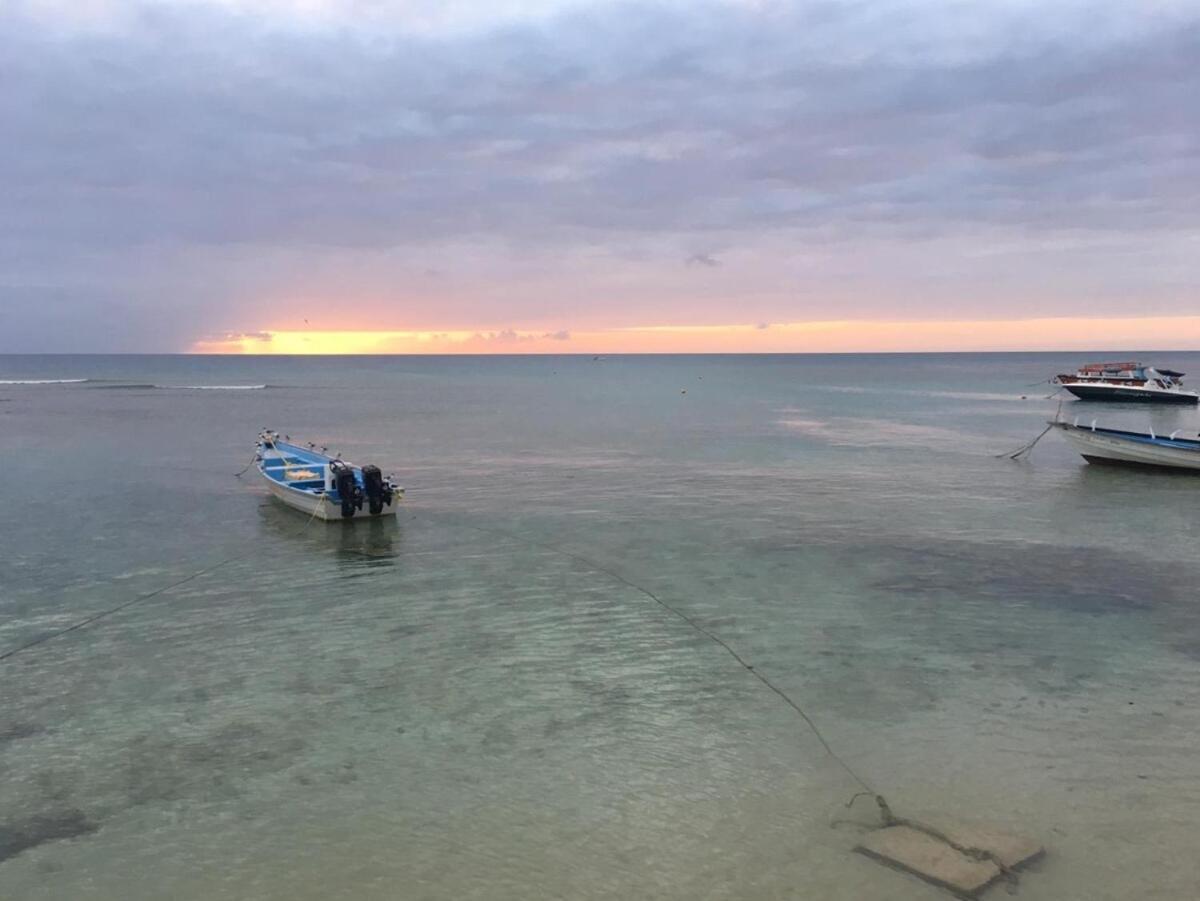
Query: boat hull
<point>320,506</point>
<point>1130,393</point>
<point>304,480</point>
<point>1111,447</point>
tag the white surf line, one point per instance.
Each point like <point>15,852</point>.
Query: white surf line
<point>42,381</point>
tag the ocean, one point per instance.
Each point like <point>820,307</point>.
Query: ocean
<point>483,699</point>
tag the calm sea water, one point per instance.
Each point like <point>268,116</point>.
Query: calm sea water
<point>476,702</point>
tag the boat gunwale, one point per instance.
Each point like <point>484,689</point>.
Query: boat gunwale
<point>1164,441</point>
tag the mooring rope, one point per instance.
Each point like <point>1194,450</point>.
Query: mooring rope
<point>750,668</point>
<point>103,614</point>
<point>112,611</point>
<point>1027,448</point>
<point>240,472</point>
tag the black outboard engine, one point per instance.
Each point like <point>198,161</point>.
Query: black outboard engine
<point>377,490</point>
<point>347,487</point>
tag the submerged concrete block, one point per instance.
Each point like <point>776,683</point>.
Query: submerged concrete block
<point>930,858</point>
<point>961,858</point>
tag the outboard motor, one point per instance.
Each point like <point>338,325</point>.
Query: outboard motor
<point>377,489</point>
<point>346,486</point>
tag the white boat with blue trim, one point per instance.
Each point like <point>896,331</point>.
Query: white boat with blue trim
<point>1114,446</point>
<point>323,486</point>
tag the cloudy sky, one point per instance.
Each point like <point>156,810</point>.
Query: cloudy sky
<point>598,176</point>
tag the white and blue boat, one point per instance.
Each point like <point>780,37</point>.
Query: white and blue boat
<point>1128,381</point>
<point>323,486</point>
<point>1114,446</point>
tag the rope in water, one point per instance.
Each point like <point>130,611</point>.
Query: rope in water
<point>103,614</point>
<point>787,699</point>
<point>1027,448</point>
<point>241,472</point>
<point>112,611</point>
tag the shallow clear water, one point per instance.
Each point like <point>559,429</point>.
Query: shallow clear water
<point>477,702</point>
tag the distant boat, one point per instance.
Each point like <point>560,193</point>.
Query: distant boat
<point>1128,381</point>
<point>1113,446</point>
<point>323,486</point>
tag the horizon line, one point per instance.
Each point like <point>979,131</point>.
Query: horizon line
<point>635,353</point>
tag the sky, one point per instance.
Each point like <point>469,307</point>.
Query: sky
<point>291,176</point>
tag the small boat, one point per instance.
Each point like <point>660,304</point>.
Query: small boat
<point>1128,381</point>
<point>1113,446</point>
<point>322,486</point>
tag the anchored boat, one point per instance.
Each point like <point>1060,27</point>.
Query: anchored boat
<point>322,486</point>
<point>1129,381</point>
<point>1114,446</point>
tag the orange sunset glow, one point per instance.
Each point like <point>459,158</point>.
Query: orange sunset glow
<point>832,336</point>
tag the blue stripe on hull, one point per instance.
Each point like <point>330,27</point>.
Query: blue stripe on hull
<point>1188,444</point>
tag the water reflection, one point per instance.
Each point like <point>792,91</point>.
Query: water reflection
<point>1104,475</point>
<point>369,542</point>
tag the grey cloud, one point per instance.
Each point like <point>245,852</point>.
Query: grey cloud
<point>200,127</point>
<point>504,336</point>
<point>238,336</point>
<point>628,128</point>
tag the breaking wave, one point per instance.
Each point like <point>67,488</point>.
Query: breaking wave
<point>146,386</point>
<point>213,387</point>
<point>911,392</point>
<point>42,381</point>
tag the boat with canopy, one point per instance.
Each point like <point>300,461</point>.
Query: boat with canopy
<point>1127,381</point>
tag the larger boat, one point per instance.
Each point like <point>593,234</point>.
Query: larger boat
<point>1128,381</point>
<point>1098,445</point>
<point>323,486</point>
